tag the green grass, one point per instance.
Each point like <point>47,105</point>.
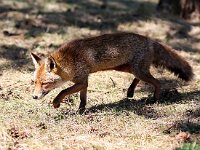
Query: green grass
<point>189,146</point>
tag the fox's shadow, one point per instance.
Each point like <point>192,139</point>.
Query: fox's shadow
<point>144,107</point>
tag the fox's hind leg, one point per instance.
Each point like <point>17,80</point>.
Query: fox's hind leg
<point>147,77</point>
<point>150,79</point>
<point>132,87</point>
<point>141,72</point>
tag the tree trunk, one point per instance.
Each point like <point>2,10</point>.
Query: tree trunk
<point>187,9</point>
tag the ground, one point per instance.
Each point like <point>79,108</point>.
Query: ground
<point>111,120</point>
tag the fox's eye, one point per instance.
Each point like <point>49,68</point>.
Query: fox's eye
<point>45,83</point>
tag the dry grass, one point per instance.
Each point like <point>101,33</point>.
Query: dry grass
<point>111,121</point>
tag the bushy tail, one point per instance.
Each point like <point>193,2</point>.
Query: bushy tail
<point>167,58</point>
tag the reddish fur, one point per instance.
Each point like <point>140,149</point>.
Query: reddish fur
<point>172,61</point>
<point>127,52</point>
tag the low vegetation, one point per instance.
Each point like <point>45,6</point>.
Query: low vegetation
<point>111,121</point>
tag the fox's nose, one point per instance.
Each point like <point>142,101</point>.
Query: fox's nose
<point>35,97</point>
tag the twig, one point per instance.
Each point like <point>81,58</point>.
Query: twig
<point>112,82</point>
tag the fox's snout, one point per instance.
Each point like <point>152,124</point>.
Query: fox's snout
<point>35,97</point>
<point>40,94</point>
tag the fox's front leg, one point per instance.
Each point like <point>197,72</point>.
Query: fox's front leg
<point>83,98</point>
<point>73,89</point>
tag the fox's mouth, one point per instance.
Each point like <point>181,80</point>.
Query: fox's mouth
<point>44,93</point>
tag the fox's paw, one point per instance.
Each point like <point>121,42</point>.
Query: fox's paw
<point>81,110</point>
<point>56,105</point>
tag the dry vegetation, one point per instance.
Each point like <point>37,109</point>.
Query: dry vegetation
<point>111,121</point>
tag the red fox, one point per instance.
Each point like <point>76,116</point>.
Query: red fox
<point>126,52</point>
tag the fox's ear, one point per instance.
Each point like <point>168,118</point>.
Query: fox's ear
<point>50,63</point>
<point>36,59</point>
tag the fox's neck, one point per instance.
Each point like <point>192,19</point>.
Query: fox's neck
<point>64,64</point>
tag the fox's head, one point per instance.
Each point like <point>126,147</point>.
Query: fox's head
<point>46,76</point>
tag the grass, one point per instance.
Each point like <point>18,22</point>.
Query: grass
<point>111,121</point>
<point>189,146</point>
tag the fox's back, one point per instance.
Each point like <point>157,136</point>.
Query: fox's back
<point>106,51</point>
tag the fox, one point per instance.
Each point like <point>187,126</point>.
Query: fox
<point>126,52</point>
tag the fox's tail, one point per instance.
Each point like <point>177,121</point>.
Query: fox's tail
<point>167,58</point>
